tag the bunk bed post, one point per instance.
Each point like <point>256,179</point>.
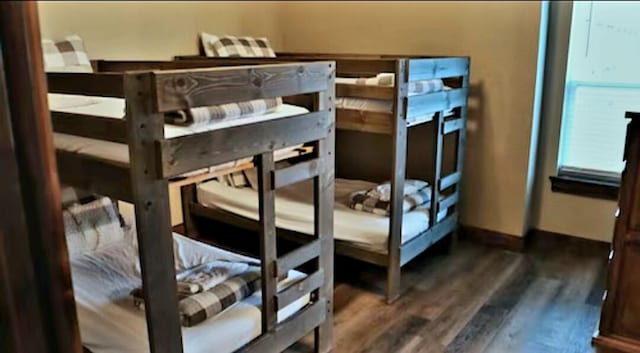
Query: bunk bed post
<point>267,230</point>
<point>324,198</point>
<point>462,137</point>
<point>36,293</point>
<point>153,224</point>
<point>398,171</point>
<point>188,195</point>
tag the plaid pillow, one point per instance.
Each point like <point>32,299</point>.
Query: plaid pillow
<point>68,55</point>
<point>230,46</point>
<point>378,199</point>
<point>197,308</point>
<point>92,225</point>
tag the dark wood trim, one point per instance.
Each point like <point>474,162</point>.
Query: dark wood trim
<point>95,127</point>
<point>493,238</point>
<point>535,234</point>
<point>585,187</point>
<point>91,84</point>
<point>25,95</point>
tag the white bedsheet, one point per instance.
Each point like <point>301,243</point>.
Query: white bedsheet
<point>109,323</point>
<point>294,211</point>
<point>115,107</point>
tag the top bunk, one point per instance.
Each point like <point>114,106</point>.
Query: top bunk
<point>108,123</point>
<point>372,91</point>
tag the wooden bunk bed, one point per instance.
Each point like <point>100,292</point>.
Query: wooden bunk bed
<point>152,158</point>
<point>421,136</point>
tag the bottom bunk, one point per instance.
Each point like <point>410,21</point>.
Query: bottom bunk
<point>359,234</point>
<point>105,269</point>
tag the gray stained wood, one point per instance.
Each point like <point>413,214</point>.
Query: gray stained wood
<point>478,299</point>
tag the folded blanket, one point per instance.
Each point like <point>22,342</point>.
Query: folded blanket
<point>229,111</point>
<point>208,275</point>
<point>378,200</point>
<point>415,87</point>
<point>196,308</point>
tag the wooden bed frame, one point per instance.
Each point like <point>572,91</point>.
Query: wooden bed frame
<point>155,159</point>
<point>440,169</point>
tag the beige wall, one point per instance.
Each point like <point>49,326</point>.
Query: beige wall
<point>557,212</point>
<point>502,40</point>
<point>155,30</point>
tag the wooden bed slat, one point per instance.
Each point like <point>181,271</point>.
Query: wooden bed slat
<point>80,171</point>
<point>289,331</point>
<point>87,84</point>
<point>178,90</point>
<point>96,127</point>
<point>362,91</point>
<point>427,69</point>
<point>299,289</point>
<point>417,245</point>
<point>427,104</point>
<point>453,125</point>
<point>267,231</point>
<point>357,120</point>
<point>192,152</point>
<point>364,67</point>
<point>297,173</point>
<point>448,201</point>
<point>450,180</point>
<point>297,257</point>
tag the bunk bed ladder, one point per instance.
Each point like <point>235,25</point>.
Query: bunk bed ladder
<point>317,315</point>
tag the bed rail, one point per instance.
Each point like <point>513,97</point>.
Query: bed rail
<point>160,87</point>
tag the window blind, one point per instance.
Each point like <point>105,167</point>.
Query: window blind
<point>602,83</point>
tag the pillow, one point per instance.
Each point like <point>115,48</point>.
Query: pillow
<point>68,55</point>
<point>230,46</point>
<point>91,226</point>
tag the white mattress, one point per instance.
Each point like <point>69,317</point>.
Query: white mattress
<point>294,211</point>
<point>109,322</point>
<point>115,107</point>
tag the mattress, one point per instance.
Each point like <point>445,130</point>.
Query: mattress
<point>109,322</point>
<point>294,211</point>
<point>115,107</point>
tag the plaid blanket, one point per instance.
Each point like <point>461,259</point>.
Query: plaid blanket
<point>378,200</point>
<point>196,308</point>
<point>217,113</point>
<point>92,225</point>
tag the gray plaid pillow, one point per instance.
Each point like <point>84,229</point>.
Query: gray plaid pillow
<point>68,55</point>
<point>231,46</point>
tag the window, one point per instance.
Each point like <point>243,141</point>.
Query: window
<point>602,83</point>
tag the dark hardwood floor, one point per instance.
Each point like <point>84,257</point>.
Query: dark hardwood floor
<point>478,299</point>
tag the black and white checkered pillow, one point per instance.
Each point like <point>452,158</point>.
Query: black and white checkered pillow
<point>68,55</point>
<point>231,46</point>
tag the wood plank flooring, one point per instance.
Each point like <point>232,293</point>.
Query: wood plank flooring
<point>477,299</point>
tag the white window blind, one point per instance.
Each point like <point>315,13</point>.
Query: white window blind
<point>603,82</point>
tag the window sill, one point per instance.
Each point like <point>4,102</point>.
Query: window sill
<point>585,187</point>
